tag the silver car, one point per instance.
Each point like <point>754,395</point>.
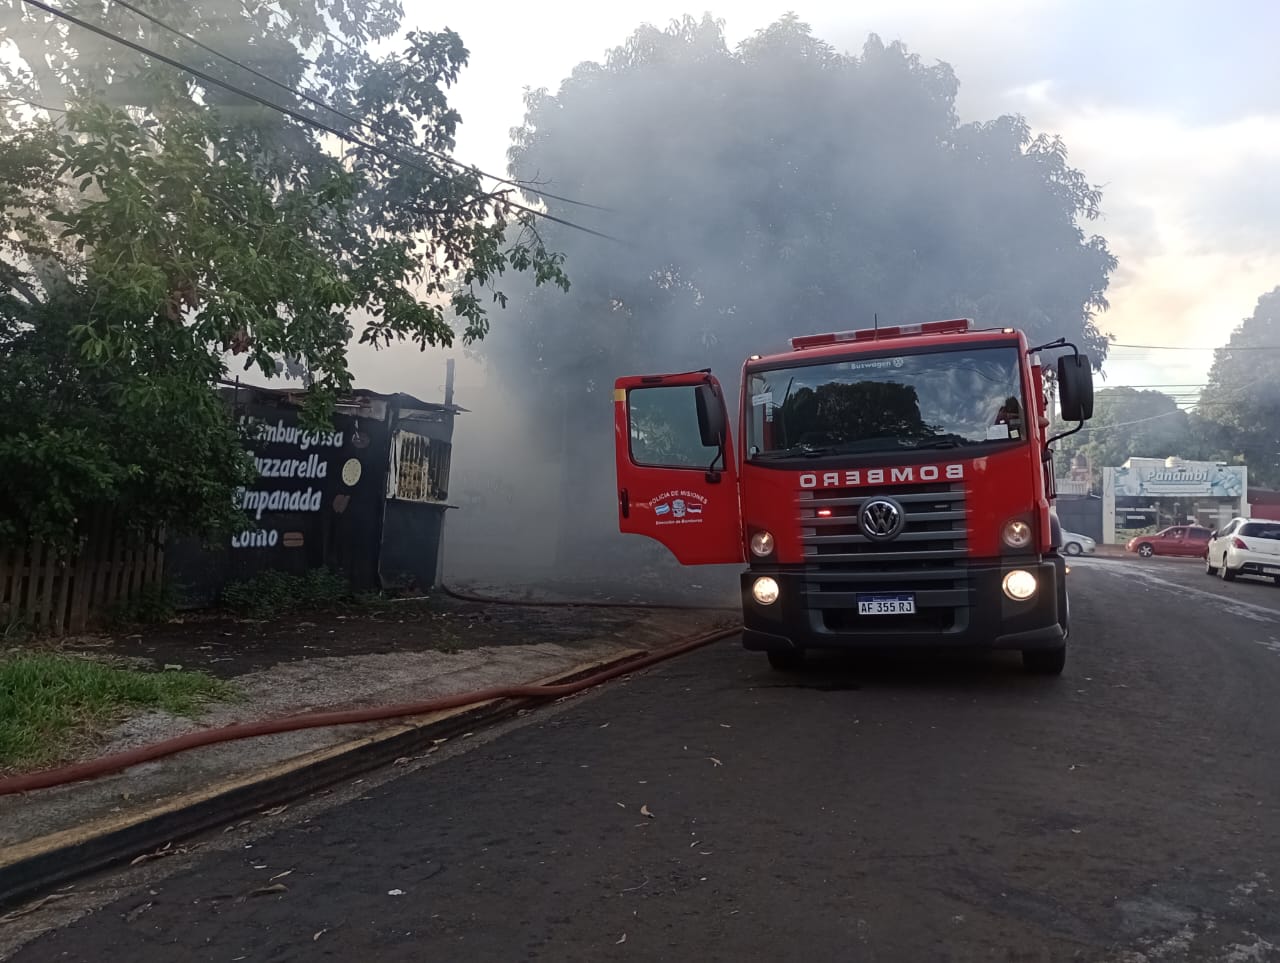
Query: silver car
<point>1076,544</point>
<point>1247,546</point>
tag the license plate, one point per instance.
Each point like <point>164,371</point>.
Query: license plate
<point>886,604</point>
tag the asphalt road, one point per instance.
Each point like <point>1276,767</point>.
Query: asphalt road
<point>864,810</point>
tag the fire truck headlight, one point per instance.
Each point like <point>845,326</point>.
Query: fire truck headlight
<point>1016,533</point>
<point>762,544</point>
<point>1019,585</point>
<point>764,590</point>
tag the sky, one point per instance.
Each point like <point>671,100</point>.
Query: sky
<point>1172,107</point>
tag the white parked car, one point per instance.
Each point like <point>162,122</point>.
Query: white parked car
<point>1247,546</point>
<point>1076,544</point>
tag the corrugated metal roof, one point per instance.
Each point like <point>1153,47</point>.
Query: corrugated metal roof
<point>296,395</point>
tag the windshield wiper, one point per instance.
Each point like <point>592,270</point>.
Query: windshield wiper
<point>807,451</point>
<point>879,444</point>
<point>941,441</point>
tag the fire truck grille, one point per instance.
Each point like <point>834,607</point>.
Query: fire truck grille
<point>928,559</point>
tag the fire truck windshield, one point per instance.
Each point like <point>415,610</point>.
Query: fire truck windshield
<point>886,403</point>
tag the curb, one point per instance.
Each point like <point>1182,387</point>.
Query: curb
<point>42,864</point>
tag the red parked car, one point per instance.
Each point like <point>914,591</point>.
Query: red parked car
<point>1189,541</point>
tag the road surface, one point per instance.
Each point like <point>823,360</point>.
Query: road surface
<point>863,810</point>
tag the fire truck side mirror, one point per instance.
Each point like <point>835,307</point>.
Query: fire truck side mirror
<point>1075,387</point>
<point>711,416</point>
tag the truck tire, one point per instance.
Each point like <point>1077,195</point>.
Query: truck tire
<point>786,660</point>
<point>1045,661</point>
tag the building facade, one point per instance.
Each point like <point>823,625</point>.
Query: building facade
<point>365,498</point>
<point>1145,495</point>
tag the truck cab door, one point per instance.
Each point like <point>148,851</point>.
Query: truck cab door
<point>677,478</point>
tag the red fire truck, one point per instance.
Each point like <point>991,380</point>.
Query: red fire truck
<point>890,487</point>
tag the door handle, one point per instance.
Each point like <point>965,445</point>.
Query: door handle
<point>624,503</point>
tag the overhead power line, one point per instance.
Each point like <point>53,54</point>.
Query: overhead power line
<point>1126,424</point>
<point>372,128</point>
<point>1184,347</point>
<point>284,109</point>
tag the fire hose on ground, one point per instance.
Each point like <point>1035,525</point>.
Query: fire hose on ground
<point>462,596</point>
<point>105,765</point>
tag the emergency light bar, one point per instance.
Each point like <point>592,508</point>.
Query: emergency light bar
<point>957,326</point>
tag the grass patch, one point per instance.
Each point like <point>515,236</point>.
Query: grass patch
<point>271,594</point>
<point>51,703</point>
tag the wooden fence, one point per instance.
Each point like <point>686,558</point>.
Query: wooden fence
<point>52,593</point>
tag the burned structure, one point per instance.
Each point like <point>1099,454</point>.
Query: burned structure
<point>366,498</point>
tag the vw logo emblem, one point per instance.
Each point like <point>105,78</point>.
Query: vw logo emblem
<point>881,519</point>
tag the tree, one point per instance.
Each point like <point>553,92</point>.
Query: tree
<point>784,188</point>
<point>1128,423</point>
<point>1240,404</point>
<point>155,222</point>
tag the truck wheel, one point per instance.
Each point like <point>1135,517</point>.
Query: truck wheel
<point>1045,661</point>
<point>1146,550</point>
<point>786,660</point>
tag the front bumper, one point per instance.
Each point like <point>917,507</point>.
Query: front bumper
<point>982,618</point>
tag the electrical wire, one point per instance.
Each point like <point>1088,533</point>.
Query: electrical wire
<point>315,101</point>
<point>1184,347</point>
<point>1126,424</point>
<point>287,111</point>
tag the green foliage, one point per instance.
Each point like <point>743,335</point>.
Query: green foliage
<point>1236,421</point>
<point>143,434</point>
<point>777,189</point>
<point>272,594</point>
<point>1240,405</point>
<point>15,627</point>
<point>1127,423</point>
<point>51,703</point>
<point>783,188</point>
<point>152,605</point>
<point>158,227</point>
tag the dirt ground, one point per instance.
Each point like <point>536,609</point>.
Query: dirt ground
<point>229,647</point>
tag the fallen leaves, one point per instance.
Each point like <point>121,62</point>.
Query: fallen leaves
<point>168,849</point>
<point>32,907</point>
<point>276,811</point>
<point>269,890</point>
<point>644,811</point>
